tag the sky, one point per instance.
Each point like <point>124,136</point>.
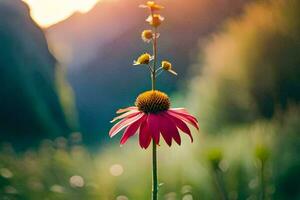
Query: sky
<point>49,12</point>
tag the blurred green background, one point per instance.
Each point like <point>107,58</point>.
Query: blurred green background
<point>239,66</point>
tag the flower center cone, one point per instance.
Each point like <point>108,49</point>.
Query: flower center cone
<point>153,102</point>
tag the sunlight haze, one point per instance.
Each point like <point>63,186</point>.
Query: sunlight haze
<point>49,12</point>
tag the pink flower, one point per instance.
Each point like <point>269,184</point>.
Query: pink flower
<point>152,117</point>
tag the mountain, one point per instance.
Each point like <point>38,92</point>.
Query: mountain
<point>31,107</point>
<point>100,46</point>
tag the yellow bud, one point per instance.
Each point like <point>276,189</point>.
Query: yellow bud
<point>144,59</point>
<point>166,65</point>
<point>155,20</point>
<point>152,6</point>
<point>147,35</point>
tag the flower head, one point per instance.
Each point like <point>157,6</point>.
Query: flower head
<point>152,6</point>
<point>152,117</point>
<point>166,65</point>
<point>155,20</point>
<point>152,102</point>
<point>144,59</point>
<point>147,35</point>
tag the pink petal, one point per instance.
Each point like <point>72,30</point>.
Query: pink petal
<point>170,127</point>
<point>125,122</point>
<point>163,130</point>
<point>153,124</point>
<point>124,115</point>
<point>126,109</point>
<point>132,129</point>
<point>185,117</point>
<point>179,110</point>
<point>182,126</point>
<point>183,111</point>
<point>145,135</point>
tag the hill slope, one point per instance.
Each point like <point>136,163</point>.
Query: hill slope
<point>29,101</point>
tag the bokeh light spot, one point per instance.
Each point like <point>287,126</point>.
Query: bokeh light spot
<point>187,197</point>
<point>76,181</point>
<point>116,170</point>
<point>6,173</point>
<point>186,189</point>
<point>171,196</point>
<point>122,197</point>
<point>57,188</point>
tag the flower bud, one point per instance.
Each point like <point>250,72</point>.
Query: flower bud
<point>144,59</point>
<point>166,65</point>
<point>155,20</point>
<point>152,6</point>
<point>147,35</point>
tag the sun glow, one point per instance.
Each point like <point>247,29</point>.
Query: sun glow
<point>49,12</point>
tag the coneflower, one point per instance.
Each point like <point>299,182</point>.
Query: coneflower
<point>152,115</point>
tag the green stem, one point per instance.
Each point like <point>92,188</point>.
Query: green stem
<point>262,180</point>
<point>154,153</point>
<point>154,172</point>
<point>220,184</point>
<point>153,75</point>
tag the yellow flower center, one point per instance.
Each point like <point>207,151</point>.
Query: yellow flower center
<point>155,20</point>
<point>150,3</point>
<point>147,35</point>
<point>144,59</point>
<point>166,65</point>
<point>152,102</point>
<point>153,6</point>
